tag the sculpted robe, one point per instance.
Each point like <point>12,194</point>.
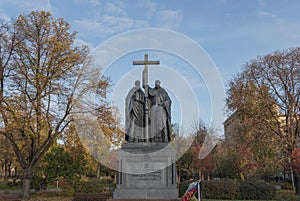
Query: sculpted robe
<point>160,115</point>
<point>134,115</point>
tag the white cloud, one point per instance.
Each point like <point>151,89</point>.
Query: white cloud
<point>107,19</point>
<point>279,27</point>
<point>91,2</point>
<point>169,19</point>
<point>114,9</point>
<point>149,7</point>
<point>28,5</point>
<point>4,16</point>
<point>115,17</point>
<point>37,5</point>
<point>24,7</point>
<point>108,24</point>
<point>265,14</point>
<point>79,42</point>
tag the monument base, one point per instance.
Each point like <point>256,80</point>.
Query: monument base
<point>146,171</point>
<point>143,199</point>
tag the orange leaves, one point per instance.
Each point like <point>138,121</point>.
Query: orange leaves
<point>246,163</point>
<point>295,160</point>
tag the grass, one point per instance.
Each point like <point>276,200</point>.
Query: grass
<point>234,200</point>
<point>3,186</point>
<point>36,198</point>
<point>282,195</point>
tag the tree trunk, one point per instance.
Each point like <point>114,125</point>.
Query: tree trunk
<point>2,172</point>
<point>297,183</point>
<point>5,173</point>
<point>98,170</point>
<point>16,172</point>
<point>179,176</point>
<point>27,175</point>
<point>9,169</point>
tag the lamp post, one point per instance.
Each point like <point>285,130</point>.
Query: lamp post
<point>57,176</point>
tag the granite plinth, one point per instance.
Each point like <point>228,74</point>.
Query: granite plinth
<point>146,171</point>
<point>144,199</point>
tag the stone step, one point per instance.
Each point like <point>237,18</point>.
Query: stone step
<point>143,199</point>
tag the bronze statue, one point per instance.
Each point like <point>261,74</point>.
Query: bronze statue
<point>134,114</point>
<point>148,112</point>
<point>160,114</point>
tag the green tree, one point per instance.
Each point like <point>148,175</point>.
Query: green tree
<point>43,77</point>
<point>225,162</point>
<point>73,145</point>
<point>61,164</point>
<point>266,96</point>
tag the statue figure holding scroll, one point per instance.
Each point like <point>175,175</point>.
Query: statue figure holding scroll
<point>160,114</point>
<point>134,114</point>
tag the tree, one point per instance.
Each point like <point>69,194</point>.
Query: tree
<point>196,162</point>
<point>255,121</point>
<point>60,164</point>
<point>184,165</point>
<point>73,145</point>
<point>43,77</point>
<point>266,95</point>
<point>224,161</point>
<point>7,158</point>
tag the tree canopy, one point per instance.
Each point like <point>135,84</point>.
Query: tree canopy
<point>265,99</point>
<point>43,76</point>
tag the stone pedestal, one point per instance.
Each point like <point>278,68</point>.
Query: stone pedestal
<point>146,171</point>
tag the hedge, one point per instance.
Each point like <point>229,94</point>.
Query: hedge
<point>94,186</point>
<point>220,189</point>
<point>231,189</point>
<point>256,190</point>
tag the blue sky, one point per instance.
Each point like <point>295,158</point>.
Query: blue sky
<point>232,32</point>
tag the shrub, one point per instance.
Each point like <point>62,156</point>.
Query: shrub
<point>255,190</point>
<point>66,191</point>
<point>243,190</point>
<point>183,186</point>
<point>219,189</point>
<point>285,185</point>
<point>286,195</point>
<point>38,183</point>
<point>94,186</point>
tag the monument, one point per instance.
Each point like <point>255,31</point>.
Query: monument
<point>146,161</point>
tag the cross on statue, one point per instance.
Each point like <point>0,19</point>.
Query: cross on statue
<point>146,62</point>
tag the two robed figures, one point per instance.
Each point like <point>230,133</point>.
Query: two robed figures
<point>159,118</point>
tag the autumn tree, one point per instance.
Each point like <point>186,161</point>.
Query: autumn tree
<point>7,159</point>
<point>253,114</point>
<point>73,145</point>
<point>99,130</point>
<point>266,97</point>
<point>197,161</point>
<point>43,77</point>
<point>225,162</point>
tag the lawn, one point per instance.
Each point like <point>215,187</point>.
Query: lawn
<point>4,187</point>
<point>235,200</point>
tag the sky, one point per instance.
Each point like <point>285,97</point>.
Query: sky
<point>228,34</point>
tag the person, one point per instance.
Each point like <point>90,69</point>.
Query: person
<point>160,114</point>
<point>134,110</point>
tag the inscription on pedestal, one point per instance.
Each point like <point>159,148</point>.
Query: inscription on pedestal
<point>146,172</point>
<point>150,180</point>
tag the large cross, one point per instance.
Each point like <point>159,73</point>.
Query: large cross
<point>146,62</point>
